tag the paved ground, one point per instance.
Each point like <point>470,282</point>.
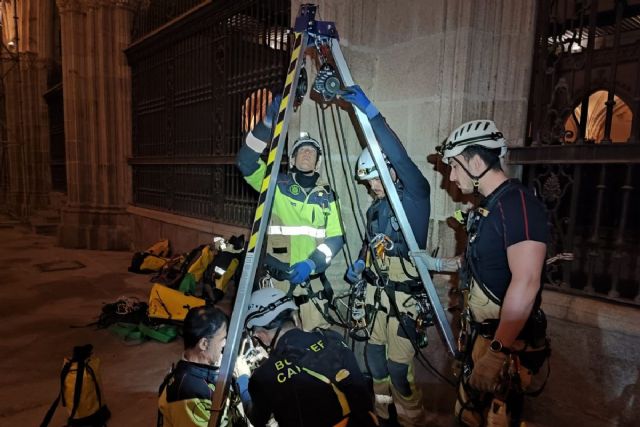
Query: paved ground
<point>587,387</point>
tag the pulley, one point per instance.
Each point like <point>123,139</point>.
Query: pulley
<point>301,89</point>
<point>327,82</point>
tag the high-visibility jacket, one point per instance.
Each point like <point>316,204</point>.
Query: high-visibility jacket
<point>304,224</point>
<point>186,395</point>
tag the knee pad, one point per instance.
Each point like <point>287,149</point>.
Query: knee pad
<point>399,373</point>
<point>376,355</point>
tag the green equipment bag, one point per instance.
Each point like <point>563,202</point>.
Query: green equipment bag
<point>80,391</point>
<point>161,332</point>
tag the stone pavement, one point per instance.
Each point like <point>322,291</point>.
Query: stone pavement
<point>594,380</point>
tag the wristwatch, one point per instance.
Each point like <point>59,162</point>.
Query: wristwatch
<point>497,347</point>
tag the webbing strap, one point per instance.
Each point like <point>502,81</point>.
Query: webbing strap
<point>489,204</point>
<point>95,382</point>
<point>77,391</point>
<point>343,423</point>
<point>54,405</point>
<point>342,398</point>
<point>164,306</point>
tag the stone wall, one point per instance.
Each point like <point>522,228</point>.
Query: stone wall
<point>430,66</point>
<point>23,70</point>
<point>184,233</point>
<point>97,110</point>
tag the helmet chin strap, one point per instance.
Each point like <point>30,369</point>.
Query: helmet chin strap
<point>274,339</point>
<point>476,178</point>
<point>271,344</point>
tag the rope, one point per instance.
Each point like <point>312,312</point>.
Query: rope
<point>322,131</point>
<point>348,176</point>
<point>343,141</point>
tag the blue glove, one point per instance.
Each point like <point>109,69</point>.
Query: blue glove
<point>272,111</point>
<point>301,271</point>
<point>356,96</point>
<point>354,273</point>
<point>243,388</point>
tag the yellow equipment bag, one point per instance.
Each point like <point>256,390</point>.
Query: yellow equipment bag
<point>223,281</point>
<point>152,263</point>
<point>80,391</point>
<point>160,249</point>
<point>198,260</point>
<point>153,259</point>
<point>224,267</point>
<point>200,264</point>
<point>167,303</point>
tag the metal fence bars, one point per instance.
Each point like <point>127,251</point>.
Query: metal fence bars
<point>583,149</point>
<point>197,85</point>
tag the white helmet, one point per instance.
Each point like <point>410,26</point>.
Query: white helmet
<point>265,305</point>
<point>366,168</point>
<point>476,132</point>
<point>305,139</point>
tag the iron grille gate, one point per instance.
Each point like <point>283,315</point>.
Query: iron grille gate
<point>583,147</point>
<point>196,84</point>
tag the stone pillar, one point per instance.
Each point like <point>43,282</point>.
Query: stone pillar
<point>430,66</point>
<point>97,108</point>
<point>27,145</point>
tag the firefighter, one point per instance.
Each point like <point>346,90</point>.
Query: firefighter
<point>304,234</point>
<point>392,345</point>
<point>310,378</point>
<point>504,330</point>
<point>187,392</point>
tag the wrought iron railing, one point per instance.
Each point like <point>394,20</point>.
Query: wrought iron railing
<point>195,86</point>
<point>582,151</point>
<point>153,14</point>
<point>595,229</point>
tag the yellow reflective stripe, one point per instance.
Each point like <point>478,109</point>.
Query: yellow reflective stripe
<point>300,230</point>
<point>342,399</point>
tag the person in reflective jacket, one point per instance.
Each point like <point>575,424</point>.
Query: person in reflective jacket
<point>186,393</point>
<point>304,233</point>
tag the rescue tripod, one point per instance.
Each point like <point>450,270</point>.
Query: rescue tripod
<point>323,37</point>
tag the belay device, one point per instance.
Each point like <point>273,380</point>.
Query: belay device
<point>321,38</point>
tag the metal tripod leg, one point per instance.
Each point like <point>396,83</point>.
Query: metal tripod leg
<point>422,261</point>
<point>258,230</point>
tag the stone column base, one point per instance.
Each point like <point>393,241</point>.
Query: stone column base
<point>22,205</point>
<point>106,228</point>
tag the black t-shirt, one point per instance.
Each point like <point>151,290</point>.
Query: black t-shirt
<point>514,216</point>
<point>283,388</point>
